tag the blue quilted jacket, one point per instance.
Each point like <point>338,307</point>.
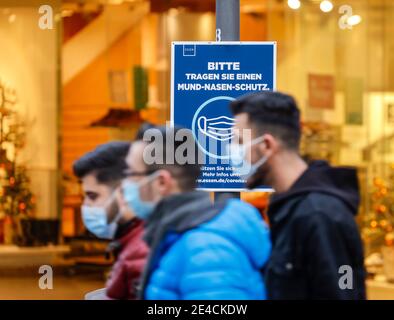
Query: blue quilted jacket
<point>218,259</point>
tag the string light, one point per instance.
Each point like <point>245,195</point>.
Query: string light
<point>294,4</point>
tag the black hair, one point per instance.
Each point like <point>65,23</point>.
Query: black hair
<point>272,112</point>
<point>106,162</point>
<point>162,140</point>
<point>142,129</point>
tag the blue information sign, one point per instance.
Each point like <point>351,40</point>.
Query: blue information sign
<point>206,77</point>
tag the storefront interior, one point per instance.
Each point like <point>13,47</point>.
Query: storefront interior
<point>104,69</point>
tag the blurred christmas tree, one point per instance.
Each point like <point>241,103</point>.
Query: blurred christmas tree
<point>379,221</point>
<point>16,198</point>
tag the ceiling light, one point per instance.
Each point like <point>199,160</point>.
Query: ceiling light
<point>353,20</point>
<point>294,4</point>
<point>326,6</point>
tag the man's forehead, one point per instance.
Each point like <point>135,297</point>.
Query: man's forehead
<point>242,119</point>
<point>135,155</point>
<point>243,125</point>
<point>90,183</point>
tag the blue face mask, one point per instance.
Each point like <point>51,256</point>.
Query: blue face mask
<point>241,167</point>
<point>96,221</point>
<point>131,193</point>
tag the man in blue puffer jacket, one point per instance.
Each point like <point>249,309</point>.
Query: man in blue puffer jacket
<point>199,250</point>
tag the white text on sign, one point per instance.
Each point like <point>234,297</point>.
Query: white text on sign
<point>224,66</point>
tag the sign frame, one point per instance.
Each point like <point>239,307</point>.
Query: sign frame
<point>219,43</point>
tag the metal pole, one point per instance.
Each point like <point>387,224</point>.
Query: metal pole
<point>227,29</point>
<point>227,20</point>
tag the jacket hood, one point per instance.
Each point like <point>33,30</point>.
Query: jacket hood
<point>242,224</point>
<point>234,219</point>
<point>178,213</point>
<point>341,182</point>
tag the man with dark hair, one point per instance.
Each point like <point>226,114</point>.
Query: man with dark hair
<point>106,215</point>
<point>142,129</point>
<point>198,250</point>
<point>313,232</point>
<point>107,162</point>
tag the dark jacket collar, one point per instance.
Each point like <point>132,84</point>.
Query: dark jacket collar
<point>124,228</point>
<point>123,233</point>
<point>341,182</point>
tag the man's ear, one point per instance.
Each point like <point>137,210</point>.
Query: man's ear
<point>164,182</point>
<point>269,145</point>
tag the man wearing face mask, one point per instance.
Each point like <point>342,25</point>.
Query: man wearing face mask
<point>313,232</point>
<point>105,214</point>
<point>198,250</point>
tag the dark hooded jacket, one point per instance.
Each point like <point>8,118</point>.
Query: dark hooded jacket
<point>316,247</point>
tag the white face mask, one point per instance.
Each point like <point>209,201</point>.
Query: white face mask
<point>220,128</point>
<point>95,220</point>
<point>240,165</point>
